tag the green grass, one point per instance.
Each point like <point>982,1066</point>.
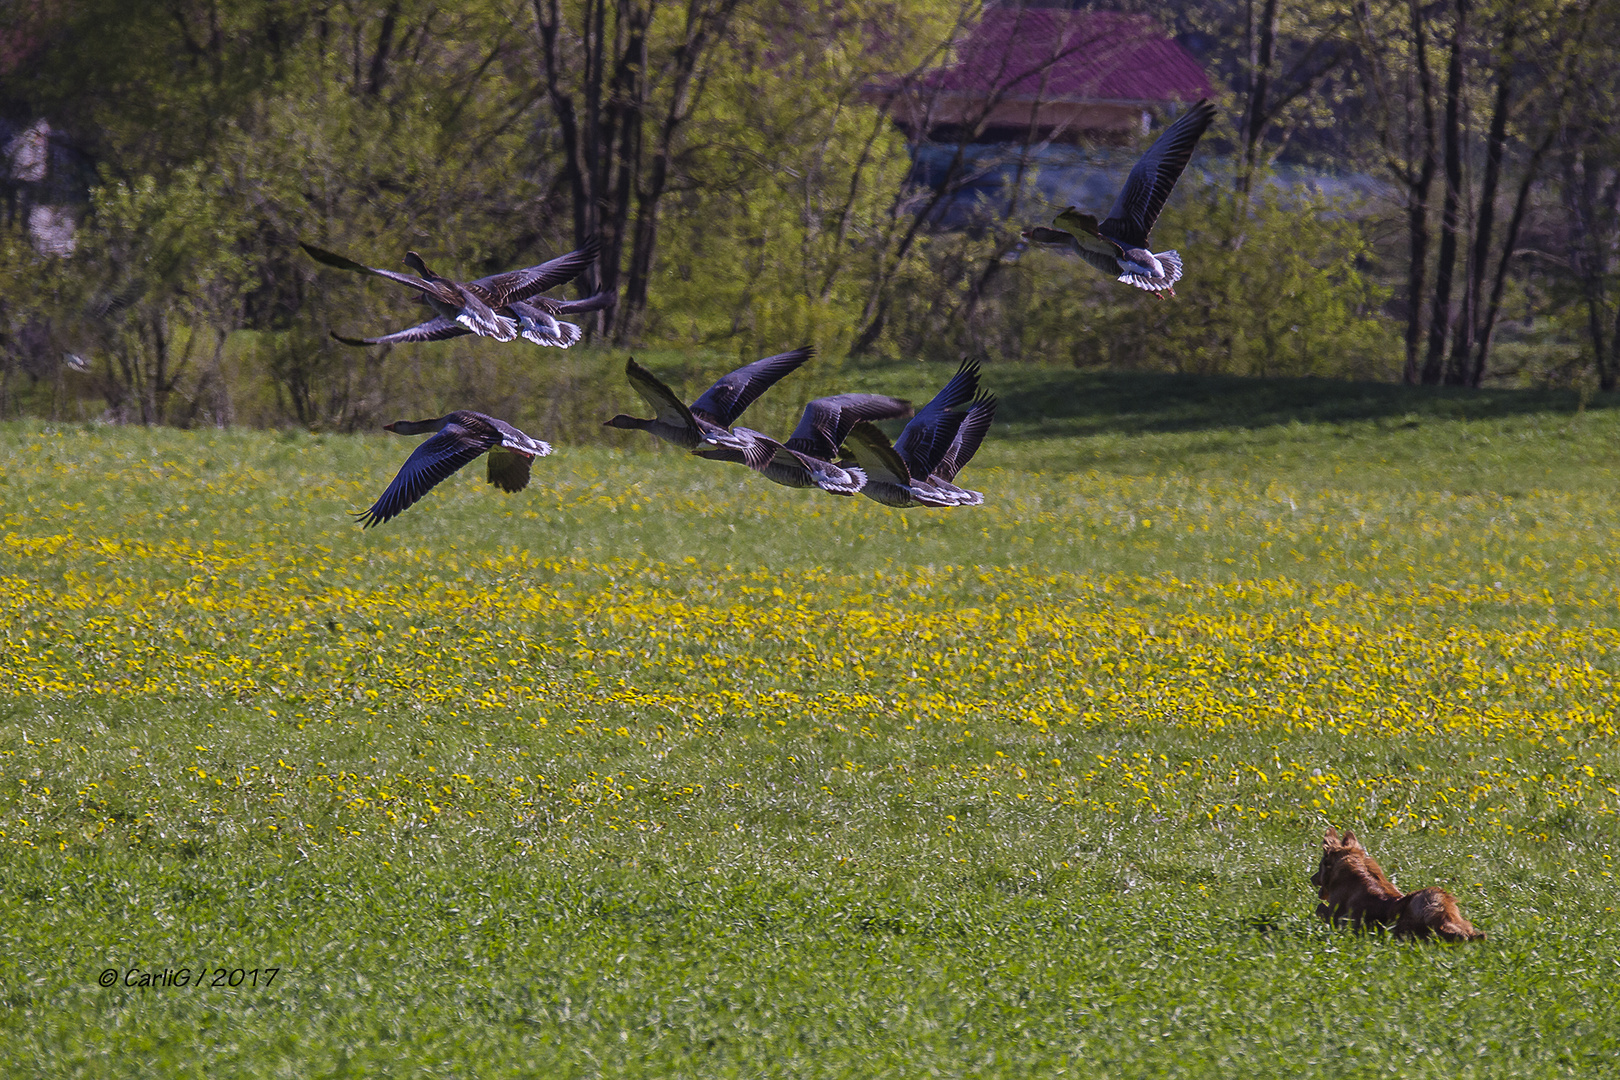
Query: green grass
<point>659,770</point>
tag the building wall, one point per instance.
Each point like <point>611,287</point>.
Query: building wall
<point>42,182</point>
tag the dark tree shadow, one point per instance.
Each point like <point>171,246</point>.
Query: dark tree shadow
<point>1045,402</point>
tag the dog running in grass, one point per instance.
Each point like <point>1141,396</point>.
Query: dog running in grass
<point>1354,889</point>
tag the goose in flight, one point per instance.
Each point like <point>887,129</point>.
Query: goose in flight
<point>533,323</point>
<point>975,424</point>
<point>473,304</point>
<point>807,458</point>
<point>1119,243</point>
<point>888,478</point>
<point>461,436</point>
<point>902,474</point>
<point>713,412</point>
<point>542,327</point>
<point>821,430</point>
<point>795,468</point>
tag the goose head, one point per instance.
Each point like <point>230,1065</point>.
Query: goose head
<point>414,261</point>
<point>416,427</point>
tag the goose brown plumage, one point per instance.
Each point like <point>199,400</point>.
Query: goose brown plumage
<point>715,410</point>
<point>901,474</point>
<point>807,458</point>
<point>459,438</point>
<point>1119,243</point>
<point>473,304</point>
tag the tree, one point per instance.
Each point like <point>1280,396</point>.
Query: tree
<point>1008,73</point>
<point>623,85</point>
<point>370,130</point>
<point>1522,89</point>
<point>1588,152</point>
<point>163,291</point>
<point>1294,52</point>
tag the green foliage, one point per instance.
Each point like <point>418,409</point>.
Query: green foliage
<point>1277,286</point>
<point>166,274</point>
<point>40,298</point>
<point>793,184</point>
<point>439,168</point>
<point>785,218</point>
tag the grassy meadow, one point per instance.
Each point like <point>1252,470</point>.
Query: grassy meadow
<point>659,770</point>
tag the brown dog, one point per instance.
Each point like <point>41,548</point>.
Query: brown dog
<point>1354,889</point>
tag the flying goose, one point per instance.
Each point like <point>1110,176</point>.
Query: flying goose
<point>821,429</point>
<point>473,304</point>
<point>888,479</point>
<point>714,411</point>
<point>975,424</point>
<point>542,327</point>
<point>900,474</point>
<point>1119,243</point>
<point>461,436</point>
<point>807,458</point>
<point>794,468</point>
<point>533,323</point>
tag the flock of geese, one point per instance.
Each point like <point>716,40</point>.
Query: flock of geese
<point>836,446</point>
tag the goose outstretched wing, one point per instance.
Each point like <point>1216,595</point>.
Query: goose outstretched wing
<point>735,391</point>
<point>929,434</point>
<point>1100,254</point>
<point>498,289</point>
<point>440,456</point>
<point>670,409</point>
<point>827,420</point>
<point>873,452</point>
<point>437,328</point>
<point>1151,180</point>
<point>968,437</point>
<point>509,469</point>
<point>594,302</point>
<point>321,255</point>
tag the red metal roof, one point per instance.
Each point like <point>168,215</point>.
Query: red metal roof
<point>1057,54</point>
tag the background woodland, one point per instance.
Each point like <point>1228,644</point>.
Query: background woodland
<point>752,194</point>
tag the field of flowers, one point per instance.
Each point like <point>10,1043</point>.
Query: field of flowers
<point>1107,714</point>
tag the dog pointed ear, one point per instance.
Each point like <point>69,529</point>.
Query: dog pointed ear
<point>1350,840</point>
<point>1331,839</point>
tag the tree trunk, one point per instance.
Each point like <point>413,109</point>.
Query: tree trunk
<point>1417,209</point>
<point>1509,241</point>
<point>874,318</point>
<point>1587,258</point>
<point>378,73</point>
<point>1608,375</point>
<point>611,175</point>
<point>548,22</point>
<point>1460,370</point>
<point>703,25</point>
<point>1440,311</point>
<point>1260,61</point>
<point>1553,121</point>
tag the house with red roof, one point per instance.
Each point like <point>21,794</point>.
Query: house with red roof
<point>1040,102</point>
<point>1035,73</point>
